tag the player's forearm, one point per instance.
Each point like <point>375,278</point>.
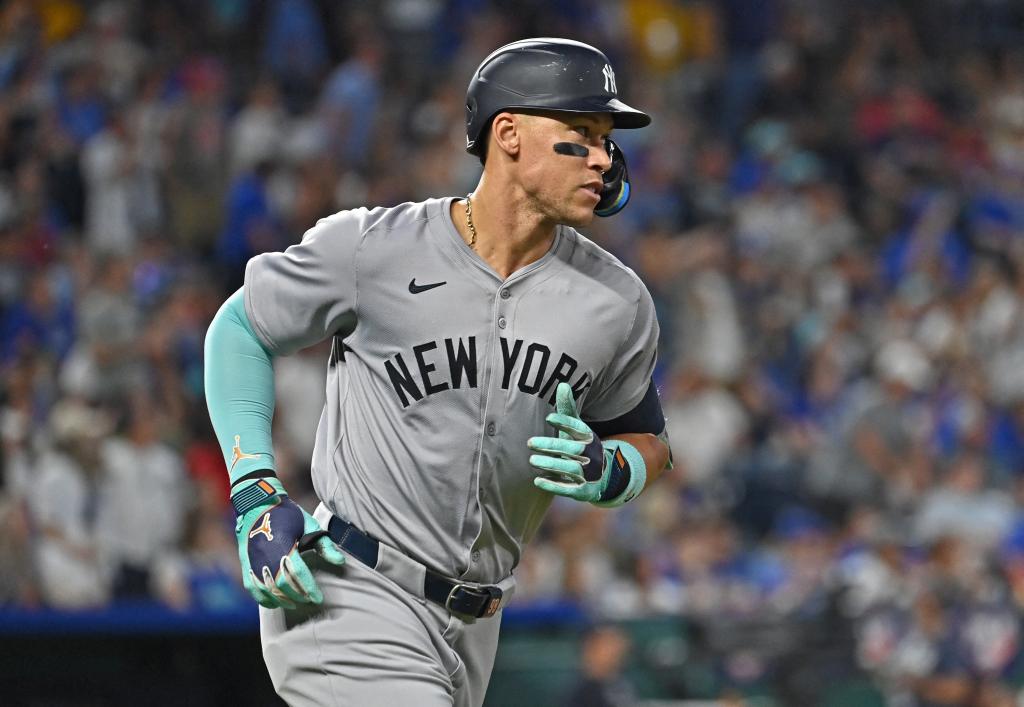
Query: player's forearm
<point>239,383</point>
<point>653,450</point>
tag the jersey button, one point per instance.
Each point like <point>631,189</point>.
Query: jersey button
<point>491,429</point>
<point>501,322</point>
<point>476,555</point>
<point>505,294</point>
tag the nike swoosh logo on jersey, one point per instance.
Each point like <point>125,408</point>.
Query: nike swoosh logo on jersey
<point>416,289</point>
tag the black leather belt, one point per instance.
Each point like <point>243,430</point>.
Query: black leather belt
<point>478,601</point>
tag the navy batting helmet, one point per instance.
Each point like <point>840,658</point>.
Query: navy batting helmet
<point>546,73</point>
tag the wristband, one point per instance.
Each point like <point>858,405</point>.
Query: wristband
<point>256,494</point>
<point>627,474</point>
<point>259,474</point>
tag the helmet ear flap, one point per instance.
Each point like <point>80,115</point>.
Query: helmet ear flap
<point>615,193</point>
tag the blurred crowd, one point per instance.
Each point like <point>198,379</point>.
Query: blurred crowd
<point>828,210</point>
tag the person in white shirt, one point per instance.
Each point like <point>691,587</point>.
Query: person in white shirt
<point>63,504</point>
<point>143,507</point>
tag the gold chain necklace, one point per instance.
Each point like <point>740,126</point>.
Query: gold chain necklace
<point>469,221</point>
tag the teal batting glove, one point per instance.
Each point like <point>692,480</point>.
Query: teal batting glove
<point>273,531</point>
<point>578,465</point>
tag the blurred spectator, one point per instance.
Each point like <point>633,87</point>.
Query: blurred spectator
<point>120,55</point>
<point>348,103</point>
<point>39,322</point>
<point>147,127</point>
<point>257,129</point>
<point>885,461</point>
<point>108,166</point>
<point>250,225</point>
<point>601,683</point>
<point>108,46</point>
<point>871,567</point>
<point>19,587</point>
<point>197,153</point>
<point>23,409</point>
<point>747,29</point>
<point>920,659</point>
<point>106,361</point>
<point>295,48</point>
<point>206,576</point>
<point>64,505</point>
<point>962,505</point>
<point>143,503</point>
<point>706,422</point>
<point>80,105</point>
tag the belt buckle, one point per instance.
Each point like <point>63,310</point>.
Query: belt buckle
<point>493,595</point>
<point>451,595</point>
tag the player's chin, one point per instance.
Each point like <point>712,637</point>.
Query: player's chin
<point>578,213</point>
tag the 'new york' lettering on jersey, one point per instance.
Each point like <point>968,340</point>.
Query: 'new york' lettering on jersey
<point>431,395</point>
<point>447,365</point>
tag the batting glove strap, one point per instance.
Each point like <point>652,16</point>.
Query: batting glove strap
<point>263,491</point>
<point>626,473</point>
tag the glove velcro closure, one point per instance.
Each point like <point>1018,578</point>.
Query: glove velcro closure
<point>256,494</point>
<point>627,461</point>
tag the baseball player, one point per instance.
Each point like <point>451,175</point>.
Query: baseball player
<point>486,358</point>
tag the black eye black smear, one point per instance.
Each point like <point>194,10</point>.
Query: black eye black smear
<point>571,149</point>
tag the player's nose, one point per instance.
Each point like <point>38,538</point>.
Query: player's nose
<point>600,159</point>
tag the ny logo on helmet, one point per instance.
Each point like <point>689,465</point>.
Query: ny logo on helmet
<point>609,79</point>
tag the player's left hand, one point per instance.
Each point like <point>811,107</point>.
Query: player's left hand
<point>575,463</point>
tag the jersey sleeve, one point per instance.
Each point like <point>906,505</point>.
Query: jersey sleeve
<point>307,293</point>
<point>623,385</point>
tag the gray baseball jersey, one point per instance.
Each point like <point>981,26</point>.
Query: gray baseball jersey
<point>441,371</point>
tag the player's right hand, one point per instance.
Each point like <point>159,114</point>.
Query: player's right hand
<point>271,538</point>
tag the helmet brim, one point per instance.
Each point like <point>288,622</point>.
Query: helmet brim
<point>624,117</point>
<point>627,117</point>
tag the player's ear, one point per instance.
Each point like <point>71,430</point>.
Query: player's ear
<point>505,132</point>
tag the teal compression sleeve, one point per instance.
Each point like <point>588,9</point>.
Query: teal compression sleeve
<point>239,382</point>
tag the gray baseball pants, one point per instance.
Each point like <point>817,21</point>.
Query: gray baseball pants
<point>373,642</point>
